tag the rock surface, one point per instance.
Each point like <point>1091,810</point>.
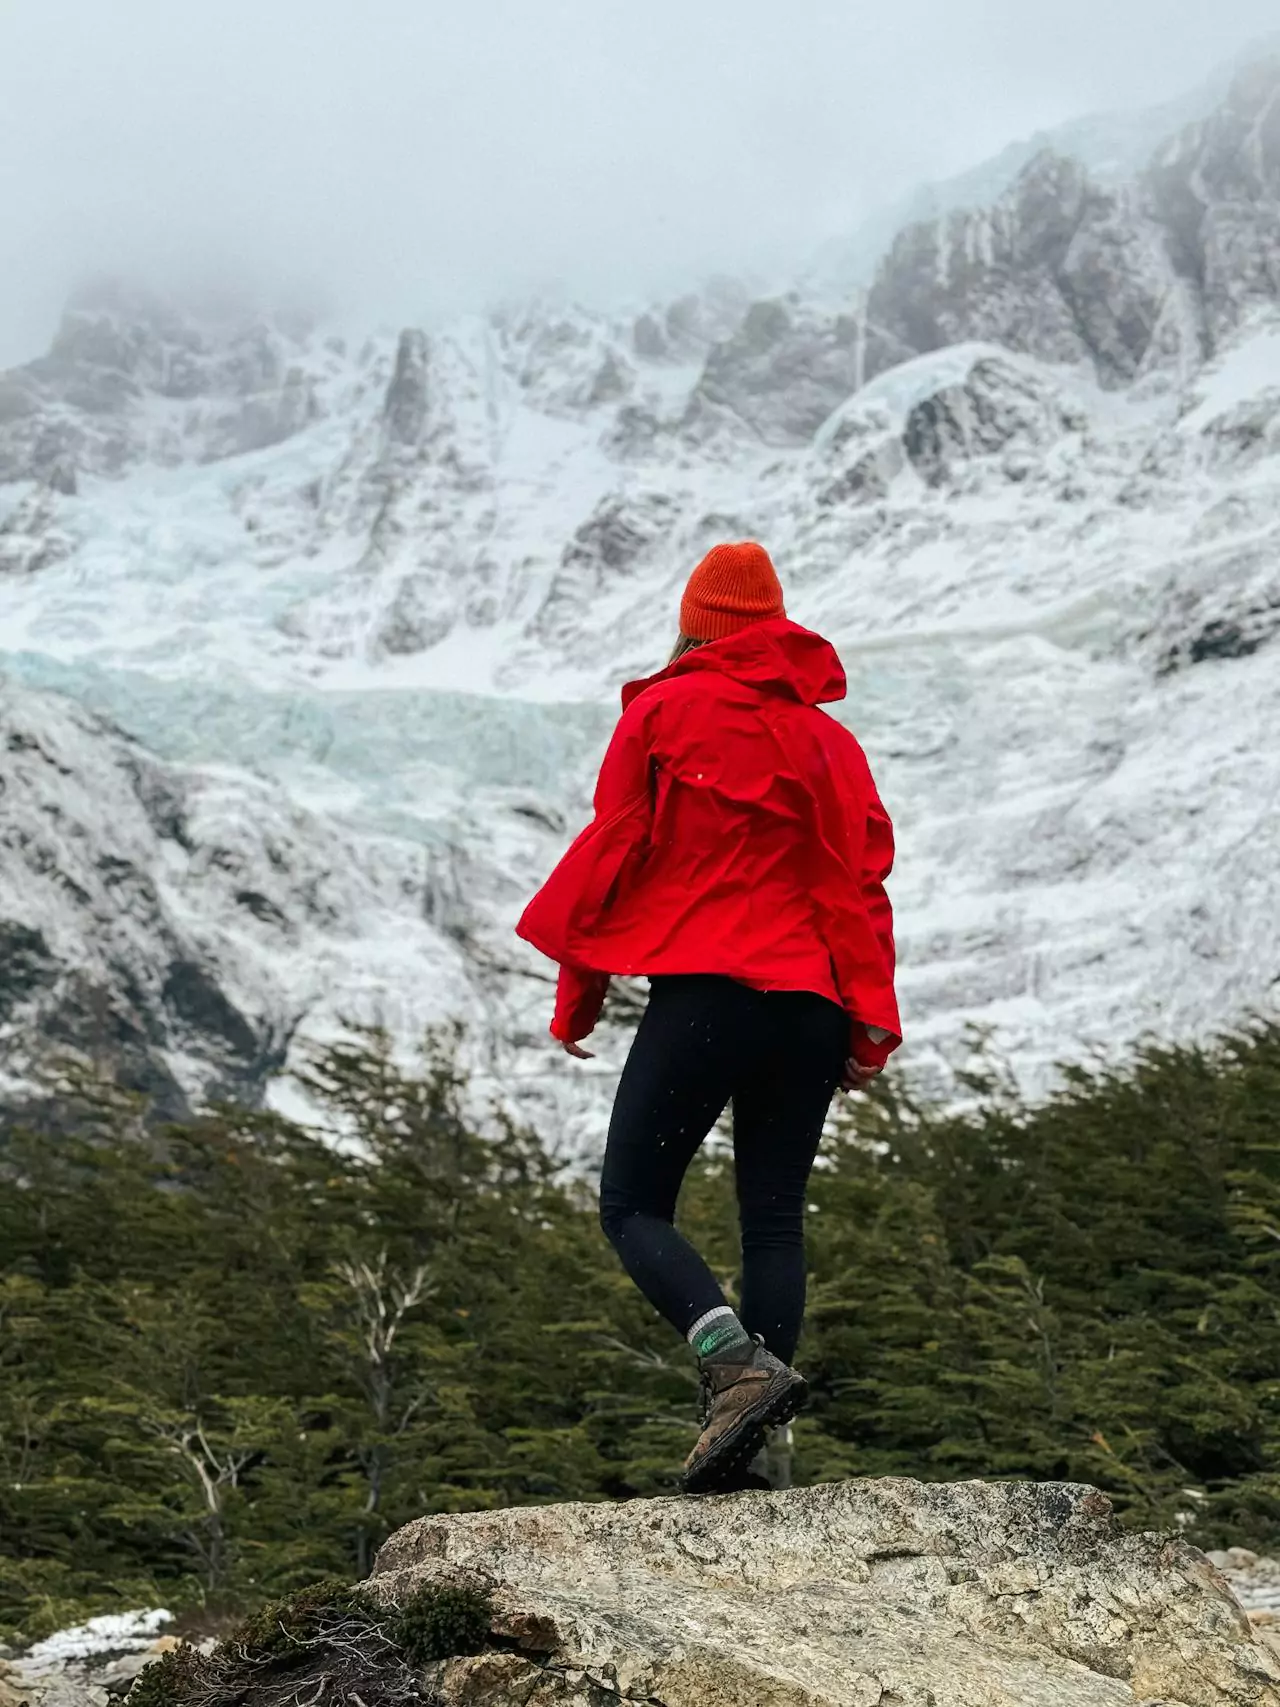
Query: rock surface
<point>884,1593</point>
<point>1255,1583</point>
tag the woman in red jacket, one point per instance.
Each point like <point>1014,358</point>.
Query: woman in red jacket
<point>737,860</point>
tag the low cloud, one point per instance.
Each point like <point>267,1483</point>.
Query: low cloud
<point>404,156</point>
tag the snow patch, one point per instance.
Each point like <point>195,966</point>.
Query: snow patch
<point>113,1632</point>
<point>1248,368</point>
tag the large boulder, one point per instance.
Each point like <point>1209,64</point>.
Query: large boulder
<point>886,1593</point>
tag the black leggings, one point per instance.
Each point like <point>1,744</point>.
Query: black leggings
<point>702,1042</point>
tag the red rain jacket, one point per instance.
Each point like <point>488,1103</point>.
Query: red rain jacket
<point>737,831</point>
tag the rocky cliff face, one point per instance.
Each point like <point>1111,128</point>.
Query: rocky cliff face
<point>1215,189</point>
<point>1060,268</point>
<point>127,378</point>
<point>1143,279</point>
<point>376,596</point>
<point>173,925</point>
<point>865,1593</point>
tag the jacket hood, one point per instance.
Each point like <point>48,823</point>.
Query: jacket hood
<point>777,657</point>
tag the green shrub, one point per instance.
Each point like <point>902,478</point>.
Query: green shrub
<point>171,1681</point>
<point>440,1622</point>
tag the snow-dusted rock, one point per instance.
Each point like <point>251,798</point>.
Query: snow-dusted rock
<point>997,408</point>
<point>780,375</point>
<point>1113,147</point>
<point>30,537</point>
<point>1216,189</point>
<point>1127,279</point>
<point>1059,269</point>
<point>972,1594</point>
<point>622,537</point>
<point>1148,275</point>
<point>405,409</point>
<point>128,379</point>
<point>177,926</point>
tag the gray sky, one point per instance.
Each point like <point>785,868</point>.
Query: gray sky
<point>412,154</point>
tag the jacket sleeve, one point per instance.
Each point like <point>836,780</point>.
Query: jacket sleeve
<point>877,863</point>
<point>859,918</point>
<point>579,998</point>
<point>872,1045</point>
<point>624,777</point>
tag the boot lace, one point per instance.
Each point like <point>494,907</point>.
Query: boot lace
<point>705,1398</point>
<point>707,1393</point>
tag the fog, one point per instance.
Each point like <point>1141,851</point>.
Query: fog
<point>397,157</point>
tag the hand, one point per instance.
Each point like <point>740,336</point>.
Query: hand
<point>857,1077</point>
<point>577,1051</point>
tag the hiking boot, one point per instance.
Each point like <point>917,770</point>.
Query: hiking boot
<point>770,1470</point>
<point>750,1480</point>
<point>744,1393</point>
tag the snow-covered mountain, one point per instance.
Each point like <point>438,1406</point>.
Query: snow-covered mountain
<point>309,644</point>
<point>1113,147</point>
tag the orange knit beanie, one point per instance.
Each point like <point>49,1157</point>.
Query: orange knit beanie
<point>733,586</point>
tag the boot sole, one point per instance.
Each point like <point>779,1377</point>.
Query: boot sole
<point>739,1445</point>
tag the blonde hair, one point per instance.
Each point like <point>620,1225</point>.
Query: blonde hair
<point>683,644</point>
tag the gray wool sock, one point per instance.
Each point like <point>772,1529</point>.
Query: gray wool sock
<point>716,1334</point>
